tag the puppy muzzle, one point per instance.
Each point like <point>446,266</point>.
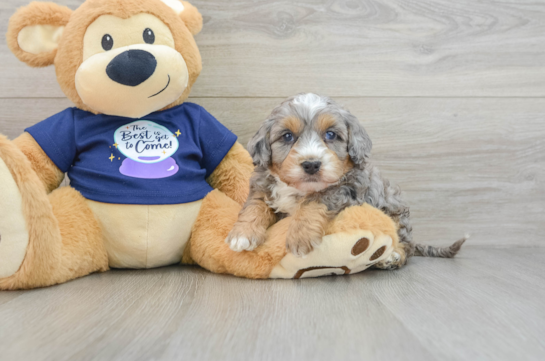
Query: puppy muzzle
<point>311,167</point>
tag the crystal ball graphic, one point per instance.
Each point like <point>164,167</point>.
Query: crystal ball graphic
<point>148,147</point>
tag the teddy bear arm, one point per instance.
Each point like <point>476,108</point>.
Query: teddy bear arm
<point>208,249</point>
<point>232,176</point>
<point>50,175</point>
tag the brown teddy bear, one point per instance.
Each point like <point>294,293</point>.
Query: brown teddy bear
<point>154,180</point>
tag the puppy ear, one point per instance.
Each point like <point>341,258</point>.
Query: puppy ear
<point>34,32</point>
<point>359,143</point>
<point>189,14</point>
<point>259,147</point>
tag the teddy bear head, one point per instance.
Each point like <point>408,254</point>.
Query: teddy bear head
<point>117,57</point>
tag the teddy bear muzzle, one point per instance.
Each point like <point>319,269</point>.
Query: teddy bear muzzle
<point>132,81</point>
<point>132,67</point>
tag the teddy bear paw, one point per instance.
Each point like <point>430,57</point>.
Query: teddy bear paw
<point>338,254</point>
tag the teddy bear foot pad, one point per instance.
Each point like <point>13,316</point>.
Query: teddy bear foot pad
<point>339,254</point>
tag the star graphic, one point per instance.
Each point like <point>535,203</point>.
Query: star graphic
<point>111,158</point>
<point>164,152</point>
<point>178,133</point>
<point>115,145</point>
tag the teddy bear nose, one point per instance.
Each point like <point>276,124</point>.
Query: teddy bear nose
<point>131,67</point>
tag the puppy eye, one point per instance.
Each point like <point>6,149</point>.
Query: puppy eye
<point>107,42</point>
<point>330,136</point>
<point>288,137</point>
<point>149,36</point>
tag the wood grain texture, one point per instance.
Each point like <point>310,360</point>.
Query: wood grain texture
<point>466,165</point>
<point>477,306</point>
<point>453,96</point>
<point>348,48</point>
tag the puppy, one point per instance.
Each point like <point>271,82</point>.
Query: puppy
<point>311,161</point>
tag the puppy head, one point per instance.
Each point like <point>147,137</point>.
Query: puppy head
<point>309,142</point>
<point>118,57</point>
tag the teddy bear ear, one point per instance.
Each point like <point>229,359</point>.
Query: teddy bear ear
<point>34,32</point>
<point>188,13</point>
<point>192,18</point>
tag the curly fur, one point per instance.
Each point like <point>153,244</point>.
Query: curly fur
<point>361,184</point>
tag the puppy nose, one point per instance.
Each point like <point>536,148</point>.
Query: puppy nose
<point>131,67</point>
<point>311,167</point>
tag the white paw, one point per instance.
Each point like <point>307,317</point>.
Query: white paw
<point>392,262</point>
<point>239,244</point>
<point>394,257</point>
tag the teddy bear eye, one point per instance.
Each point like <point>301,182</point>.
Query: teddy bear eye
<point>149,36</point>
<point>107,42</point>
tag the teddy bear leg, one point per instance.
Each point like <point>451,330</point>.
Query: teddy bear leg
<point>70,246</point>
<point>207,245</point>
<point>82,248</point>
<point>372,219</point>
<point>357,238</point>
<point>44,240</point>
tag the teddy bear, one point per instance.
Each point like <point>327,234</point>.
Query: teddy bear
<point>154,180</point>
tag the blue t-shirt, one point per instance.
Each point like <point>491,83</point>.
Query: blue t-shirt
<point>162,158</point>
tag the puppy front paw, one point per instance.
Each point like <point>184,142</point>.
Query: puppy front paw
<point>238,243</point>
<point>301,245</point>
<point>244,238</point>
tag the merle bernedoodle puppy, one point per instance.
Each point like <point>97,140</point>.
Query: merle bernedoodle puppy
<point>311,161</point>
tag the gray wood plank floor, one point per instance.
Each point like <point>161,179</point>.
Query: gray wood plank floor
<point>453,96</point>
<point>487,304</point>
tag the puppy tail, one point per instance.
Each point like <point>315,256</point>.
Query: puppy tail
<point>444,252</point>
